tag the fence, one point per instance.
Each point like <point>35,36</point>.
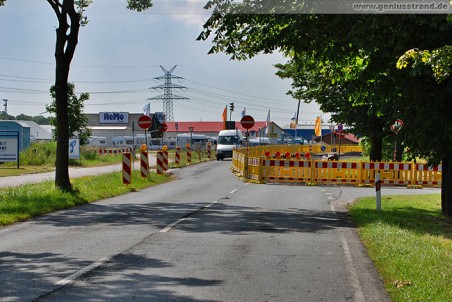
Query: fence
<point>310,171</point>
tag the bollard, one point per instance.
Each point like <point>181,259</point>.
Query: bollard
<point>378,191</point>
<point>177,156</point>
<point>188,147</point>
<point>126,169</point>
<point>165,160</point>
<point>159,166</point>
<point>209,150</point>
<point>144,160</point>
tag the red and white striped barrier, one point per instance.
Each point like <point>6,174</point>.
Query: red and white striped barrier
<point>177,157</point>
<point>209,150</point>
<point>126,169</point>
<point>165,160</point>
<point>188,153</point>
<point>144,160</point>
<point>159,166</point>
<point>390,173</point>
<point>427,175</point>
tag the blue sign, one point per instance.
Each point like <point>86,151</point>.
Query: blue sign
<point>323,148</point>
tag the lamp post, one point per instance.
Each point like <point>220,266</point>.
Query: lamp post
<point>191,128</point>
<point>331,140</point>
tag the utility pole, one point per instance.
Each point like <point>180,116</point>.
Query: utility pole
<point>168,95</point>
<point>6,108</point>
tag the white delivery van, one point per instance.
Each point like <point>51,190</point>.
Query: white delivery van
<point>228,140</point>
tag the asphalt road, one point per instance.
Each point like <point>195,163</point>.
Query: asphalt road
<point>206,236</point>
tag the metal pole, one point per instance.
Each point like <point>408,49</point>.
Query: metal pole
<point>378,191</point>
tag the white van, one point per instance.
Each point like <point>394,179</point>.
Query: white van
<point>226,141</point>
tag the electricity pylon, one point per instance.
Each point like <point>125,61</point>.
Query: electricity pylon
<point>168,95</point>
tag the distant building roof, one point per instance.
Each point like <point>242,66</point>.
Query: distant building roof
<point>37,131</point>
<point>206,126</point>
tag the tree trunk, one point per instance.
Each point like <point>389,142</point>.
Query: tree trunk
<point>64,52</point>
<point>376,148</point>
<point>446,186</point>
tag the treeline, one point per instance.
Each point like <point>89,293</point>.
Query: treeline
<point>39,119</point>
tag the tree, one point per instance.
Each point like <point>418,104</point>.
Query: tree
<point>78,121</point>
<point>70,18</point>
<point>323,52</point>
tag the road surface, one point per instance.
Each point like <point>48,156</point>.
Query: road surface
<point>206,236</point>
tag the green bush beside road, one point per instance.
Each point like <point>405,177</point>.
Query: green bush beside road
<point>410,244</point>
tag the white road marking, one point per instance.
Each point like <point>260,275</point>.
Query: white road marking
<point>83,271</point>
<point>358,295</point>
<point>233,191</point>
<point>331,198</point>
<point>327,193</point>
<point>71,279</point>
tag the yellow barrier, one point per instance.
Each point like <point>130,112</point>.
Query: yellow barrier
<point>260,150</point>
<point>262,169</point>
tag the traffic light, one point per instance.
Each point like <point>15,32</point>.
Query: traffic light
<point>231,106</point>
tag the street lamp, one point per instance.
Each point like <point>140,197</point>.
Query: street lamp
<point>191,128</point>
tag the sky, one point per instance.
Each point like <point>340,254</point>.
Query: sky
<point>119,55</point>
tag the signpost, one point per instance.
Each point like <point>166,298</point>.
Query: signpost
<point>247,122</point>
<point>144,122</point>
<point>396,127</point>
<point>9,146</point>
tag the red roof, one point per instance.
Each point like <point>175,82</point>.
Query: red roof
<point>207,126</point>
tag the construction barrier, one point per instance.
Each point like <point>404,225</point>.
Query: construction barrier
<point>287,167</point>
<point>188,147</point>
<point>427,176</point>
<point>209,150</point>
<point>144,160</point>
<point>159,166</point>
<point>165,160</point>
<point>115,150</point>
<point>302,149</point>
<point>126,168</point>
<point>177,156</point>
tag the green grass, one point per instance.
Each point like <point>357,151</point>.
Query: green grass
<point>410,244</point>
<point>27,201</point>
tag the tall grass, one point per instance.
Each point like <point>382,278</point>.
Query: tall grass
<point>410,244</point>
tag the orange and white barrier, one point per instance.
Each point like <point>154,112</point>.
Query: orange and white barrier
<point>390,173</point>
<point>337,172</point>
<point>126,168</point>
<point>286,170</point>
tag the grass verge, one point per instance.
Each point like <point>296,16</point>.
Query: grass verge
<point>410,244</point>
<point>27,201</point>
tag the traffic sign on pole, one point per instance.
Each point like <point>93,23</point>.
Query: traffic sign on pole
<point>397,125</point>
<point>163,127</point>
<point>144,122</point>
<point>247,122</point>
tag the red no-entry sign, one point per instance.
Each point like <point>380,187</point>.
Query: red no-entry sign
<point>144,122</point>
<point>247,122</point>
<point>163,127</point>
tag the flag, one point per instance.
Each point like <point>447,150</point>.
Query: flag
<point>243,112</point>
<point>293,121</point>
<point>318,126</point>
<point>147,109</point>
<point>267,122</point>
<point>225,117</point>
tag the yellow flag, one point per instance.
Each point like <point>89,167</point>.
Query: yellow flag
<point>225,116</point>
<point>318,127</point>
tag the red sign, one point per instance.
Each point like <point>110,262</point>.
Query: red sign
<point>247,122</point>
<point>163,127</point>
<point>397,126</point>
<point>144,122</point>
